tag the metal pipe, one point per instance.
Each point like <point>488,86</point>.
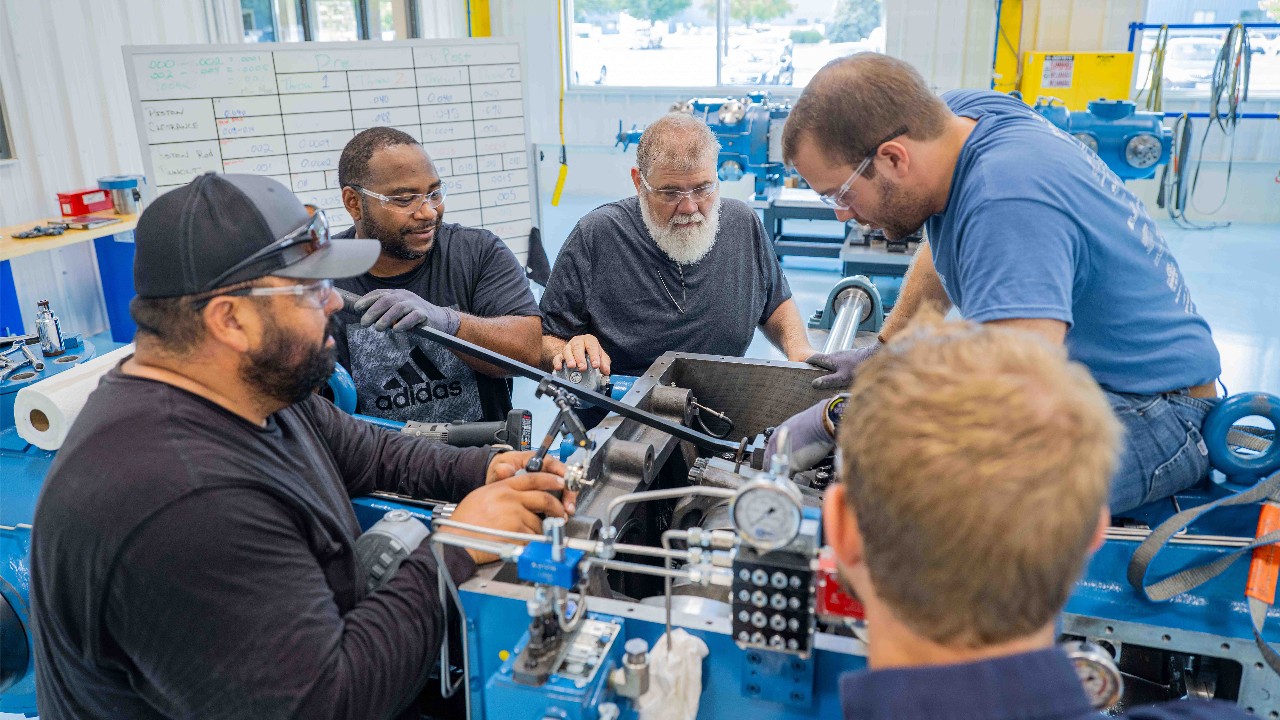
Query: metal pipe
<point>625,566</point>
<point>523,537</point>
<point>593,547</point>
<point>504,551</point>
<point>667,537</point>
<point>621,500</point>
<point>852,307</point>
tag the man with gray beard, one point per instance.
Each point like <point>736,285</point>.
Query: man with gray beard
<point>673,268</point>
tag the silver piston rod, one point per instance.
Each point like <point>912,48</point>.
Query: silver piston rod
<point>853,307</point>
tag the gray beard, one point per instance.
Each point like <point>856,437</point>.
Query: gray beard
<point>685,243</point>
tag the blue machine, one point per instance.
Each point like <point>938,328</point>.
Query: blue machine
<point>750,133</point>
<point>1131,143</point>
<point>22,470</point>
<point>565,629</point>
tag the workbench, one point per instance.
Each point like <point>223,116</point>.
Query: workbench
<point>784,203</point>
<point>113,246</point>
<point>886,269</point>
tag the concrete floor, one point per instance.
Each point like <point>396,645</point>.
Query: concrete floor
<point>1233,273</point>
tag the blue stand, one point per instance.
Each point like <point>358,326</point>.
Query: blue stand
<point>10,316</point>
<point>115,267</point>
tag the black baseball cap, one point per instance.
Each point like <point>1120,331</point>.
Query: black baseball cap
<point>222,229</point>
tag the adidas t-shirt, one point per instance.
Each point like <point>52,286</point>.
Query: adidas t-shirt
<point>404,377</point>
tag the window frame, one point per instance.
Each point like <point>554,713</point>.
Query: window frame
<point>6,139</point>
<point>780,92</point>
<point>1138,30</point>
<point>309,19</point>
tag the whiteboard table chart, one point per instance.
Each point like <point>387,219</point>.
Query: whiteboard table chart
<point>287,111</point>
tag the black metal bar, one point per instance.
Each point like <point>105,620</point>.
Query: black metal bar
<point>515,367</point>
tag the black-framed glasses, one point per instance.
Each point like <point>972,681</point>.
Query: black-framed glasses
<point>837,199</point>
<point>310,238</point>
<point>672,197</point>
<point>407,204</point>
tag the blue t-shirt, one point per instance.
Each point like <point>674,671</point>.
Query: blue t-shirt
<point>1037,226</point>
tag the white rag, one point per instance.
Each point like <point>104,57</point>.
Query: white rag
<point>675,678</point>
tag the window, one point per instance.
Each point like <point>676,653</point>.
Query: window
<point>710,43</point>
<point>329,20</point>
<point>6,149</point>
<point>1191,53</point>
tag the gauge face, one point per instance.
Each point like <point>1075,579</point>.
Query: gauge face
<point>766,516</point>
<point>1098,673</point>
<point>1089,141</point>
<point>1143,151</point>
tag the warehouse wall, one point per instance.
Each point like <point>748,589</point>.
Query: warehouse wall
<point>951,43</point>
<point>62,74</point>
<point>71,118</point>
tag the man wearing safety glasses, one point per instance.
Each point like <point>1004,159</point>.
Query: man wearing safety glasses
<point>673,268</point>
<point>459,280</point>
<point>1026,228</point>
<point>193,552</point>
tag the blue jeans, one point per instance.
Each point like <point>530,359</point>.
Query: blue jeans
<point>1163,452</point>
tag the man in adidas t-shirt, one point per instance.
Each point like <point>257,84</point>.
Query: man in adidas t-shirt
<point>460,280</point>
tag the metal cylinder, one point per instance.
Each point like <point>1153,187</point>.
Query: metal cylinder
<point>853,307</point>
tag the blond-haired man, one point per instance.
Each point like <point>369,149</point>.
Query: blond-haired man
<point>974,485</point>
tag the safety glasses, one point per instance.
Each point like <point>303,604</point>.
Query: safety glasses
<point>313,294</point>
<point>407,204</point>
<point>837,199</point>
<point>310,238</point>
<point>672,197</point>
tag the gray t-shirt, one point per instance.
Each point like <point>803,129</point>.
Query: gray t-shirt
<point>613,281</point>
<point>404,377</point>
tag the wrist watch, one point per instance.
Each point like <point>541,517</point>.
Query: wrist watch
<point>833,412</point>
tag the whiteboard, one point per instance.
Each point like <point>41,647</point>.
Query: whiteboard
<point>286,110</point>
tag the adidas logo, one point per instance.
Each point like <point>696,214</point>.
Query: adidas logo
<point>418,370</point>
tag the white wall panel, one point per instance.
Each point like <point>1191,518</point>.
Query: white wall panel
<point>62,72</point>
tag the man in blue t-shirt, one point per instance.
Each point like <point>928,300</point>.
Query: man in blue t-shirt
<point>1026,228</point>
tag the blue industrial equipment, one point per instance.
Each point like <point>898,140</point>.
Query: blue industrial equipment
<point>1200,644</point>
<point>852,306</point>
<point>23,467</point>
<point>750,133</point>
<point>1131,143</point>
<point>343,388</point>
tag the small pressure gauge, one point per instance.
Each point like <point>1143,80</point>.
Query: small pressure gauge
<point>766,513</point>
<point>1143,151</point>
<point>1102,680</point>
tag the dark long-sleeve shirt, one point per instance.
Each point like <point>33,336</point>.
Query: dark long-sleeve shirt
<point>188,563</point>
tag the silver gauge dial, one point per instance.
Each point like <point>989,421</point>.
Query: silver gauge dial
<point>1143,151</point>
<point>767,514</point>
<point>1097,671</point>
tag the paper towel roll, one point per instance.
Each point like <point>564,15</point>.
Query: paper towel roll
<point>43,411</point>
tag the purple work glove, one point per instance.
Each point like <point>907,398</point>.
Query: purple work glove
<point>841,365</point>
<point>403,310</point>
<point>811,437</point>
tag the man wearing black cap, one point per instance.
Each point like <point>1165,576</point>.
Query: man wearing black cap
<point>193,551</point>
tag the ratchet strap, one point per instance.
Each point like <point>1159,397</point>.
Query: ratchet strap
<point>1264,570</point>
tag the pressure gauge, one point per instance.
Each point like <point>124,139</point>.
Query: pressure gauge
<point>1143,151</point>
<point>1102,680</point>
<point>766,513</point>
<point>1089,141</point>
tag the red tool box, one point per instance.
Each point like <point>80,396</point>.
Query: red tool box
<point>84,202</point>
